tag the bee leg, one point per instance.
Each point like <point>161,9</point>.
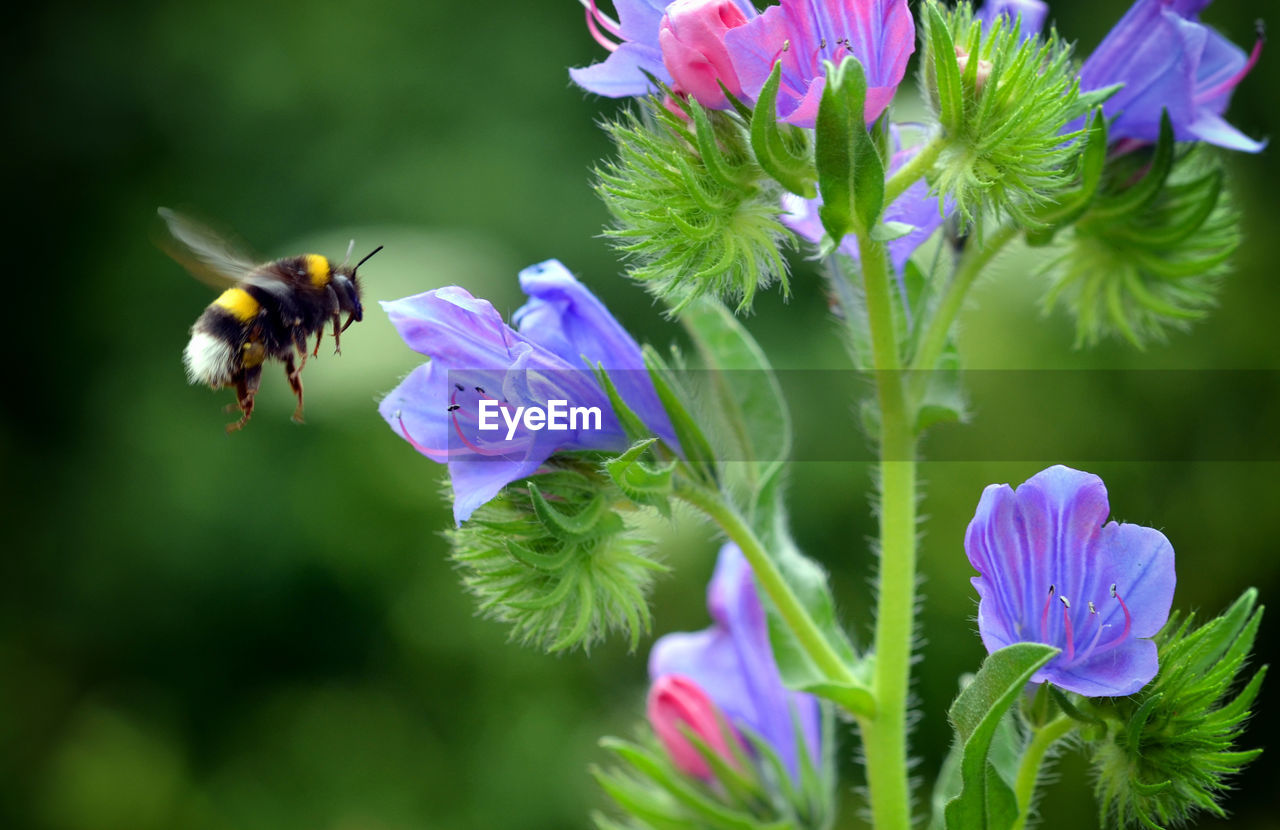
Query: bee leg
<point>334,308</point>
<point>246,382</point>
<point>295,383</point>
<point>300,344</point>
<point>337,342</point>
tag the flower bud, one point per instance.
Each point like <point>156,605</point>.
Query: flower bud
<point>692,39</point>
<point>675,700</point>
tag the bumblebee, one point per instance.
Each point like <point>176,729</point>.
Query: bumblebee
<point>265,312</point>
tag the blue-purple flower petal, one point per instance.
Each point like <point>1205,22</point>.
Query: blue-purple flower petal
<point>567,319</point>
<point>1168,60</point>
<point>1031,12</point>
<point>480,363</point>
<point>1050,571</point>
<point>733,663</point>
<point>804,33</point>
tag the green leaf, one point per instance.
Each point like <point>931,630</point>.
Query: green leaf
<point>808,581</point>
<point>986,800</point>
<point>792,171</point>
<point>752,422</point>
<point>889,231</point>
<point>591,520</point>
<point>850,170</point>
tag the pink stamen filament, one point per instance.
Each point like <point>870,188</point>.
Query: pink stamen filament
<point>1044,617</point>
<point>1128,623</point>
<point>1231,83</point>
<point>597,19</point>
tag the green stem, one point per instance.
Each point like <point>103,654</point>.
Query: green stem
<point>884,736</point>
<point>934,339</point>
<point>1029,770</point>
<point>917,166</point>
<point>771,581</point>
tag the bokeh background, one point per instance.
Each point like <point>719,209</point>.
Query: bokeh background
<point>262,630</point>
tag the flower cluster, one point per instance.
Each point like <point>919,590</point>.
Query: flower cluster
<point>735,746</point>
<point>562,334</point>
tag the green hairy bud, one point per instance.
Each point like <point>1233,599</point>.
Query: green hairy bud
<point>1169,750</point>
<point>1149,254</point>
<point>695,214</point>
<point>1003,104</point>
<point>554,557</point>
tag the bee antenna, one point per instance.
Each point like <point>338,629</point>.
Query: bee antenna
<point>367,257</point>
<point>351,246</point>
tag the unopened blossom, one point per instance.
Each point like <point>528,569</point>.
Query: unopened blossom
<point>478,360</point>
<point>803,33</point>
<point>733,663</point>
<point>691,37</point>
<point>1168,60</point>
<point>634,46</point>
<point>1050,571</point>
<point>1030,13</point>
<point>675,703</point>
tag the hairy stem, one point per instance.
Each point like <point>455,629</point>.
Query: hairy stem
<point>1029,770</point>
<point>917,166</point>
<point>934,339</point>
<point>793,613</point>
<point>885,736</point>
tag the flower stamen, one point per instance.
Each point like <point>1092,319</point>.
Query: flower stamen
<point>1232,82</point>
<point>597,19</point>
<point>1044,617</point>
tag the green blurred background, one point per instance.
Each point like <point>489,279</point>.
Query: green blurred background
<point>262,630</point>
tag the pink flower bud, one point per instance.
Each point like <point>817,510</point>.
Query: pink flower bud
<point>692,39</point>
<point>674,700</point>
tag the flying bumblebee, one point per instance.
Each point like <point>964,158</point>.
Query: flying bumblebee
<point>265,312</point>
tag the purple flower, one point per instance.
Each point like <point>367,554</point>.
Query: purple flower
<point>692,39</point>
<point>480,364</point>
<point>803,33</point>
<point>636,52</point>
<point>1052,572</point>
<point>733,663</point>
<point>1032,12</point>
<point>1167,59</point>
<point>914,207</point>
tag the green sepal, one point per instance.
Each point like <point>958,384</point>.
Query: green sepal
<point>592,520</point>
<point>1137,196</point>
<point>986,800</point>
<point>634,428</point>
<point>850,170</point>
<point>640,482</point>
<point>791,170</point>
<point>942,71</point>
<point>1072,206</point>
<point>713,157</point>
<point>697,450</point>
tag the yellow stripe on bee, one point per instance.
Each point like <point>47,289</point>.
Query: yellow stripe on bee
<point>239,302</point>
<point>317,269</point>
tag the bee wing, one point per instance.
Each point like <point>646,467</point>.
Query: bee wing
<point>205,253</point>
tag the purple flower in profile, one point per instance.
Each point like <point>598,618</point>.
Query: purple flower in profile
<point>1167,59</point>
<point>803,33</point>
<point>914,207</point>
<point>633,43</point>
<point>733,663</point>
<point>1052,572</point>
<point>1031,12</point>
<point>480,364</point>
